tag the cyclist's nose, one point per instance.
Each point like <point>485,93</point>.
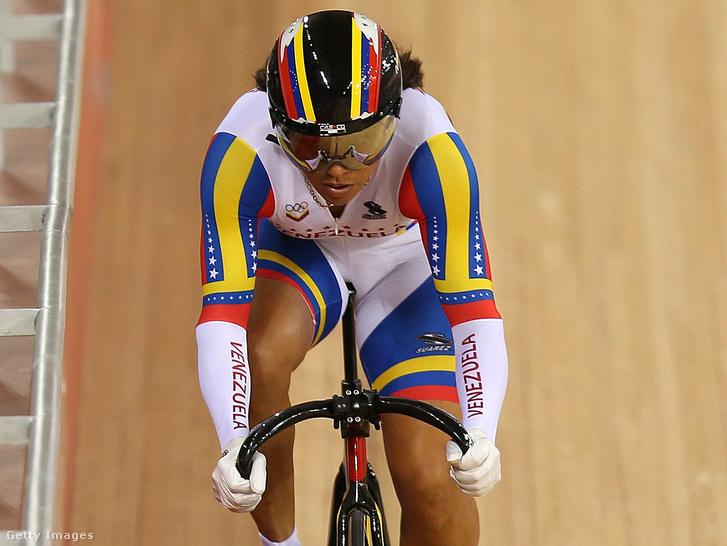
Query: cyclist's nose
<point>336,170</point>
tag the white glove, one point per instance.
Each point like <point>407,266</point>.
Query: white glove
<point>478,471</point>
<point>232,490</point>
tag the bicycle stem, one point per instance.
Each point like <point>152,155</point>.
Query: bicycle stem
<point>350,352</point>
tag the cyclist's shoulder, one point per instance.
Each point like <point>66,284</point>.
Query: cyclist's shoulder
<point>248,119</point>
<point>422,117</point>
<point>414,98</point>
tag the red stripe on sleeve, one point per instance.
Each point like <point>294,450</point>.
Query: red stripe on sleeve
<point>268,207</point>
<point>409,202</point>
<point>202,258</point>
<point>234,313</point>
<point>462,312</point>
<point>488,271</point>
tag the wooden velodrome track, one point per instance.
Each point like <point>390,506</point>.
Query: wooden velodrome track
<point>600,134</point>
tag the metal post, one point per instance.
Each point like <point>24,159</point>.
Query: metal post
<point>42,466</point>
<point>41,429</point>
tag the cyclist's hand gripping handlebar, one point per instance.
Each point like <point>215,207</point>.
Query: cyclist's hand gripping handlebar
<point>235,492</point>
<point>244,460</point>
<point>477,470</point>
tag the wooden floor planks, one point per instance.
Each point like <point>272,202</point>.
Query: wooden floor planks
<point>600,134</point>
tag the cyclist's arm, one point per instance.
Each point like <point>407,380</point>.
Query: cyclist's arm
<point>440,190</point>
<point>235,193</point>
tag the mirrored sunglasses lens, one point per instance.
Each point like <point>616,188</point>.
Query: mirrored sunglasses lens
<point>314,153</point>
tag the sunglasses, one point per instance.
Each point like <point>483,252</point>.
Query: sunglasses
<point>354,151</point>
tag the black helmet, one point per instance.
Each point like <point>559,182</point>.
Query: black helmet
<point>333,73</point>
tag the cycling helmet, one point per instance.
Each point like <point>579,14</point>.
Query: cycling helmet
<point>334,88</point>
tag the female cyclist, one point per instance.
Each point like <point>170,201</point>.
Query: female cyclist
<point>339,167</point>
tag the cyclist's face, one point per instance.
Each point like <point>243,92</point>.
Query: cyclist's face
<point>338,185</point>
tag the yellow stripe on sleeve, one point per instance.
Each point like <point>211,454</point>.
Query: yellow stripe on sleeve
<point>461,284</point>
<point>231,176</point>
<point>455,184</point>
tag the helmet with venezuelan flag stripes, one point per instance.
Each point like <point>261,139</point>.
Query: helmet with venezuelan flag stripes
<point>334,86</point>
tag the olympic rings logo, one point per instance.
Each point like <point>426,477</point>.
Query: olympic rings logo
<point>297,208</point>
<point>297,211</point>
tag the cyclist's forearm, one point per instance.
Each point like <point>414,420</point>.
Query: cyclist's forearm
<point>224,377</point>
<point>482,372</point>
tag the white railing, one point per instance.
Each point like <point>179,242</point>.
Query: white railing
<point>40,430</point>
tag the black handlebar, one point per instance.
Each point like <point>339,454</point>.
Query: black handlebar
<point>365,405</point>
<point>276,423</point>
<point>356,406</point>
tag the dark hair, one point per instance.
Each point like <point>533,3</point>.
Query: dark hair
<point>411,71</point>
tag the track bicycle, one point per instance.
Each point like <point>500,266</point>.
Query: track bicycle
<point>357,510</point>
